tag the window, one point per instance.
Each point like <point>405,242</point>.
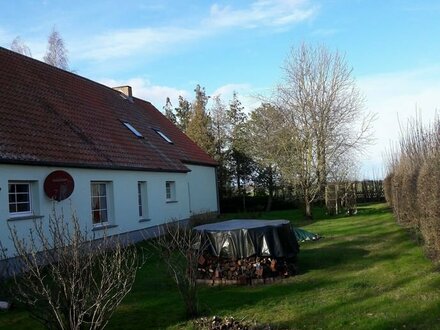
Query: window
<point>142,199</point>
<point>133,130</point>
<point>20,198</point>
<point>100,209</point>
<point>163,136</point>
<point>170,189</point>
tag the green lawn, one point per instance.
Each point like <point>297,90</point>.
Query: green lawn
<point>365,274</point>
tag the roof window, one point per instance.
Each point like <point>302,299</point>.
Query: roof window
<point>133,130</point>
<point>163,136</point>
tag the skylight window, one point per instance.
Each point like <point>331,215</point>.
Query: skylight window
<point>163,136</point>
<point>133,130</point>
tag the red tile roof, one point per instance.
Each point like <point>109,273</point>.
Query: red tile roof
<point>52,117</point>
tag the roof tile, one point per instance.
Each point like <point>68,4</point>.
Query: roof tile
<point>51,116</point>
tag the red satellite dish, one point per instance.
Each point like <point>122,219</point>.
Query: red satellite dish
<point>59,185</point>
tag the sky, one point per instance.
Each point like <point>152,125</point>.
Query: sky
<point>165,48</point>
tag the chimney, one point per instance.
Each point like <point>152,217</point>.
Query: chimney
<point>126,90</point>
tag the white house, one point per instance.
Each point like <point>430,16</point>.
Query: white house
<point>111,157</point>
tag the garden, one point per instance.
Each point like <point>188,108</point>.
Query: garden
<point>366,272</point>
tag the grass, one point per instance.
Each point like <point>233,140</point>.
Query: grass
<point>365,274</point>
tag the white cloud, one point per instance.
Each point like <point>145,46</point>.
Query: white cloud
<point>144,41</point>
<point>149,40</point>
<point>144,89</point>
<point>395,98</point>
<point>261,13</point>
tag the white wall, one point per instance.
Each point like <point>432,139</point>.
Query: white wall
<point>200,182</point>
<point>202,189</point>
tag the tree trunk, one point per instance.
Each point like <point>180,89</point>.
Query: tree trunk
<point>308,209</point>
<point>271,189</point>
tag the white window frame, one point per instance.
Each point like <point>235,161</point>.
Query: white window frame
<point>30,199</point>
<point>133,130</point>
<point>100,209</point>
<point>170,191</point>
<point>142,199</point>
<point>163,136</point>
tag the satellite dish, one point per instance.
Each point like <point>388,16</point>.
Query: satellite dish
<point>59,185</point>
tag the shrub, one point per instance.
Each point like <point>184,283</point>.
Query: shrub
<point>412,186</point>
<point>387,187</point>
<point>429,203</point>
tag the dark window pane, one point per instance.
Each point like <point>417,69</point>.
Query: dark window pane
<point>23,188</point>
<point>104,216</point>
<point>22,197</point>
<point>140,210</point>
<point>12,208</point>
<point>103,202</point>
<point>95,189</point>
<point>12,188</point>
<point>12,198</point>
<point>102,189</point>
<point>95,203</point>
<point>23,207</point>
<point>96,216</point>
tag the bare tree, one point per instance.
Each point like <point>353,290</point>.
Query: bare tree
<point>324,108</point>
<point>180,248</point>
<point>56,53</point>
<point>68,280</point>
<point>20,47</point>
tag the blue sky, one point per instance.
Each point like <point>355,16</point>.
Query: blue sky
<point>164,48</point>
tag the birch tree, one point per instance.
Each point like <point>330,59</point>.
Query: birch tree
<point>20,47</point>
<point>56,53</point>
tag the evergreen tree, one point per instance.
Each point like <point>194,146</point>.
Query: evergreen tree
<point>262,129</point>
<point>183,113</point>
<point>168,110</point>
<point>241,164</point>
<point>219,131</point>
<point>199,127</point>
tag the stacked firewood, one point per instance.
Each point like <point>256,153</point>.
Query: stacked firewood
<point>242,270</point>
<point>227,323</point>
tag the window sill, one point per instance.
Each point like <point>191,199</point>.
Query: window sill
<point>26,217</point>
<point>103,227</point>
<point>170,202</point>
<point>144,220</point>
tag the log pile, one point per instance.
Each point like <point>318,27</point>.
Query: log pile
<point>243,271</point>
<point>227,323</point>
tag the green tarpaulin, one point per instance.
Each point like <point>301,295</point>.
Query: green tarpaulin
<point>304,235</point>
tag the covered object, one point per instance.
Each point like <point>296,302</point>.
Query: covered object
<point>243,238</point>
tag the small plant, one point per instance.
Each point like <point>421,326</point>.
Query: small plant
<point>180,249</point>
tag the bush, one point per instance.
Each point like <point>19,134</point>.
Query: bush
<point>412,186</point>
<point>429,203</point>
<point>387,187</point>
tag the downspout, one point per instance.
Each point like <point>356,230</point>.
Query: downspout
<point>216,190</point>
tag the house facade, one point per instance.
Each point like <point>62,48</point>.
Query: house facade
<point>75,145</point>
